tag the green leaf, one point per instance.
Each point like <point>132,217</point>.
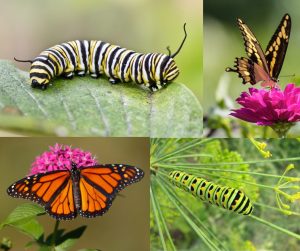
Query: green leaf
<point>22,212</point>
<point>22,218</point>
<point>87,106</point>
<point>69,239</point>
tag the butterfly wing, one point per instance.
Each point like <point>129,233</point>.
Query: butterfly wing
<point>252,73</point>
<point>252,46</point>
<point>99,185</point>
<point>52,190</point>
<point>276,49</point>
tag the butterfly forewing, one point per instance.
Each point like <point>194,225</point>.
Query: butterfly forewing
<point>47,189</point>
<point>276,49</point>
<point>252,46</point>
<point>100,184</point>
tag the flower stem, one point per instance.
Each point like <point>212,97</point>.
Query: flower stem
<point>282,128</point>
<point>53,241</point>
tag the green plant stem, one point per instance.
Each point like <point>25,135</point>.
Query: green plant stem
<point>181,149</point>
<point>196,219</point>
<point>197,230</point>
<point>227,170</point>
<point>250,162</point>
<point>271,225</point>
<point>155,212</point>
<point>53,241</point>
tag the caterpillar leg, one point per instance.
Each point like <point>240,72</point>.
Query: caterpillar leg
<point>113,81</point>
<point>95,75</point>
<point>156,87</point>
<point>68,75</point>
<point>80,73</point>
<point>35,84</point>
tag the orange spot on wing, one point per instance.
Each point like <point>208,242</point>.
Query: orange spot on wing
<point>116,176</point>
<point>97,205</point>
<point>21,188</point>
<point>96,170</point>
<point>36,187</point>
<point>53,176</point>
<point>91,205</point>
<point>84,195</point>
<point>110,180</point>
<point>97,179</point>
<point>66,207</point>
<point>60,209</point>
<point>43,189</point>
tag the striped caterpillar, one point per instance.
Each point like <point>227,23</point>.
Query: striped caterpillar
<point>151,70</point>
<point>229,198</point>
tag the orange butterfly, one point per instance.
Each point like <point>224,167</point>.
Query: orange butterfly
<point>88,191</point>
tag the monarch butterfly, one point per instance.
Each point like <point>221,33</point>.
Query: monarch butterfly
<point>221,196</point>
<point>87,191</point>
<point>151,70</point>
<point>263,67</point>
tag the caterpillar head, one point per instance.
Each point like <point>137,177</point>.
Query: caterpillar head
<point>40,74</point>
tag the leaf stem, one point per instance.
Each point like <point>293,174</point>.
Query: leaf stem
<point>53,241</point>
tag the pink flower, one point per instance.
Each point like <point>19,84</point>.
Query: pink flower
<point>274,107</point>
<point>60,157</point>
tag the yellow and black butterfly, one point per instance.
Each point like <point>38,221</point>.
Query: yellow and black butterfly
<point>263,67</point>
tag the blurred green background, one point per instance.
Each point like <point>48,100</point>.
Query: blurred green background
<point>223,41</point>
<point>29,27</point>
<point>124,227</point>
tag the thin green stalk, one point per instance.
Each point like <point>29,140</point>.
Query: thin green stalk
<point>162,218</point>
<point>271,225</point>
<point>191,155</point>
<point>197,230</point>
<point>195,218</point>
<point>181,149</point>
<point>157,220</point>
<point>53,240</point>
<point>228,178</point>
<point>250,162</point>
<point>274,208</point>
<point>229,171</point>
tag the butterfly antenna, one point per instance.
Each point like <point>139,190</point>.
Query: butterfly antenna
<point>287,76</point>
<point>23,61</point>
<point>182,43</point>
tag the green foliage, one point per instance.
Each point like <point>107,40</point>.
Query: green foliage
<point>185,222</point>
<point>23,219</point>
<point>86,106</point>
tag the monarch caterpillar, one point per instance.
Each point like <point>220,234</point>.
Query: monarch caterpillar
<point>221,196</point>
<point>151,70</point>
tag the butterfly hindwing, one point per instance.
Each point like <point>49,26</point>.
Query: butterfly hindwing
<point>45,189</point>
<point>100,184</point>
<point>276,49</point>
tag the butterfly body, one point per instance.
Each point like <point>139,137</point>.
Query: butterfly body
<point>87,191</point>
<point>262,67</point>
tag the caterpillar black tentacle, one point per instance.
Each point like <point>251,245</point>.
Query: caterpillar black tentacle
<point>229,198</point>
<point>151,70</point>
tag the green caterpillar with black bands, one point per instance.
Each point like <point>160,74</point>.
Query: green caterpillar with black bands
<point>222,196</point>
